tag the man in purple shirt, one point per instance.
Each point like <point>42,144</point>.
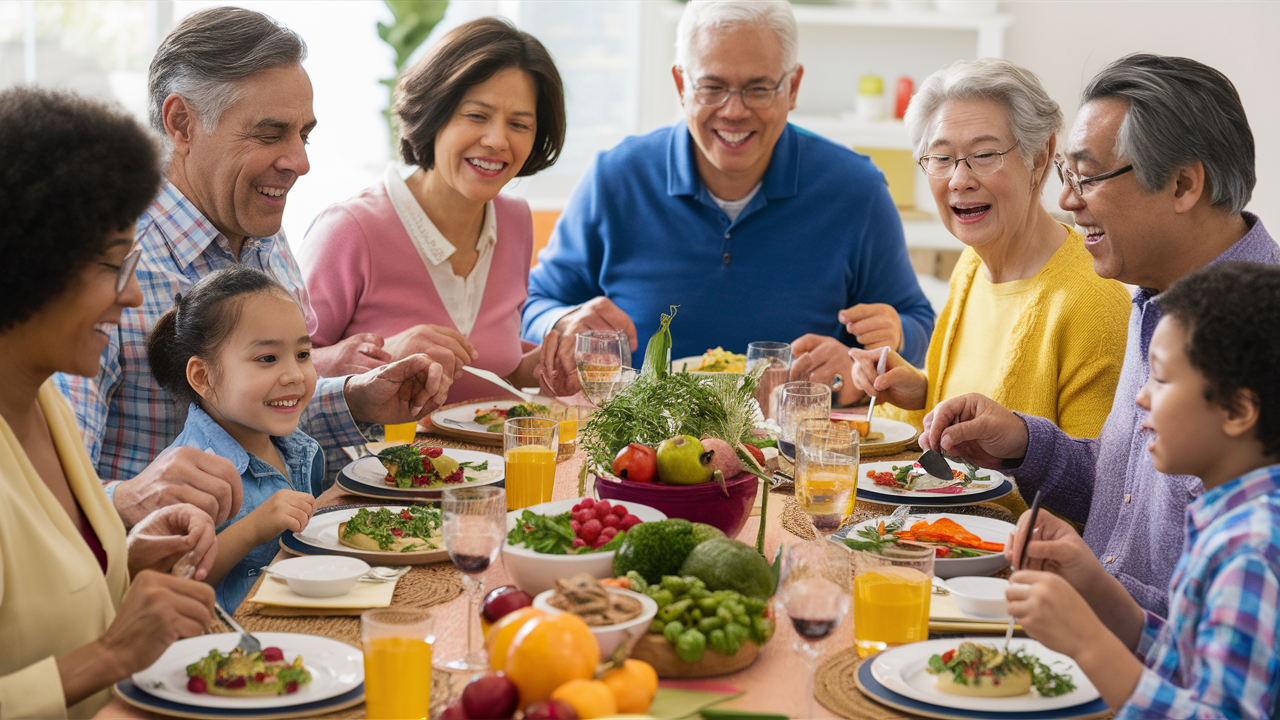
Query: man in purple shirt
<point>1159,167</point>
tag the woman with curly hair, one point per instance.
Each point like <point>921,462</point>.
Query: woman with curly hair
<point>81,604</point>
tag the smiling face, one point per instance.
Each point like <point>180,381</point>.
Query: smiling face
<point>489,137</point>
<point>239,175</point>
<point>735,142</point>
<point>262,377</point>
<point>979,210</point>
<point>1184,428</point>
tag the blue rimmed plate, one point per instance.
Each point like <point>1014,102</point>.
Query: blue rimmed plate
<point>999,486</point>
<point>364,477</point>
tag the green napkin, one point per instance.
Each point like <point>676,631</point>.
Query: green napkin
<point>674,704</point>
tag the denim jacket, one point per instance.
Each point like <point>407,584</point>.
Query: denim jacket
<point>260,481</point>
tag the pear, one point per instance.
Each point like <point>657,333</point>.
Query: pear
<point>683,461</point>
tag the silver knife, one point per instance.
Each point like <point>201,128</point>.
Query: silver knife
<point>493,378</point>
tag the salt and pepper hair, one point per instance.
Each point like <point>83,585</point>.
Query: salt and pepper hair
<point>1033,116</point>
<point>1180,111</point>
<point>209,52</point>
<point>703,15</point>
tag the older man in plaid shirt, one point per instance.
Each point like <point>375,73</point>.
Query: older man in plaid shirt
<point>228,89</point>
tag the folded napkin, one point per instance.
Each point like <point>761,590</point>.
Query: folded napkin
<point>361,597</point>
<point>685,698</point>
<point>946,617</point>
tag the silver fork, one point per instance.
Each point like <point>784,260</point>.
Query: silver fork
<point>248,643</point>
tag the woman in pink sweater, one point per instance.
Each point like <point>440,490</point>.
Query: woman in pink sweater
<point>432,258</point>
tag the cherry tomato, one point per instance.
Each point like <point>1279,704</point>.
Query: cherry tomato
<point>636,462</point>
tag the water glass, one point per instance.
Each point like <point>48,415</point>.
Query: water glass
<point>776,359</point>
<point>600,356</point>
<point>397,662</point>
<point>813,589</point>
<point>475,521</point>
<point>798,401</point>
<point>891,597</point>
<point>529,447</point>
<point>826,472</point>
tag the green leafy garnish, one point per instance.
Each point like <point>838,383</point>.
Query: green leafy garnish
<point>478,467</point>
<point>423,523</point>
<point>553,535</point>
<point>971,661</point>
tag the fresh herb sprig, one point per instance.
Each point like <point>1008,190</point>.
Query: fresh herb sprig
<point>421,522</point>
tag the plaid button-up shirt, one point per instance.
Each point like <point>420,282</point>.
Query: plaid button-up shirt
<point>126,419</point>
<point>1219,654</point>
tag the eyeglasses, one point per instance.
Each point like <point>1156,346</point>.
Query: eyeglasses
<point>127,266</point>
<point>756,97</point>
<point>983,162</point>
<point>1077,183</point>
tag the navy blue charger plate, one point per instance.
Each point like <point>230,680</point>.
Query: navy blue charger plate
<point>136,696</point>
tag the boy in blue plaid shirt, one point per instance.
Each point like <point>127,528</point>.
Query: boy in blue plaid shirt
<point>1213,411</point>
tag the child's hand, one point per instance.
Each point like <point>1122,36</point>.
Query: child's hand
<point>285,511</point>
<point>1051,611</point>
<point>1054,547</point>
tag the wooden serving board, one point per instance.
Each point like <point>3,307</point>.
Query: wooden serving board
<point>654,649</point>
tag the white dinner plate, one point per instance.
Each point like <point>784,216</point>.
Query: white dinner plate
<point>895,432</point>
<point>989,529</point>
<point>322,533</point>
<point>369,472</point>
<point>692,363</point>
<point>867,487</point>
<point>335,668</point>
<point>460,421</point>
<point>902,669</point>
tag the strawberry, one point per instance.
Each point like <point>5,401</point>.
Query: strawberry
<point>291,687</point>
<point>620,510</point>
<point>629,522</point>
<point>575,525</point>
<point>579,542</point>
<point>272,654</point>
<point>197,685</point>
<point>588,502</point>
<point>590,530</point>
<point>601,509</point>
<point>236,683</point>
<point>610,521</point>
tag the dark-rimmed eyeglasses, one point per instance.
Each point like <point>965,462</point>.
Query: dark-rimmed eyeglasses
<point>756,97</point>
<point>1078,183</point>
<point>127,267</point>
<point>983,162</point>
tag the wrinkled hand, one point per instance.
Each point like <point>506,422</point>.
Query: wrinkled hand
<point>285,511</point>
<point>901,384</point>
<point>874,325</point>
<point>819,358</point>
<point>169,533</point>
<point>976,428</point>
<point>181,475</point>
<point>399,392</point>
<point>445,345</point>
<point>157,611</point>
<point>349,356</point>
<point>559,371</point>
<point>1051,611</point>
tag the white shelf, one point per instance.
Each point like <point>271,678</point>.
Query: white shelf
<point>808,14</point>
<point>854,132</point>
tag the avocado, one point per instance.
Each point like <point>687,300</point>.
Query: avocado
<point>726,564</point>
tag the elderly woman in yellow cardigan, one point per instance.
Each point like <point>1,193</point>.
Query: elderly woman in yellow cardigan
<point>81,604</point>
<point>1028,321</point>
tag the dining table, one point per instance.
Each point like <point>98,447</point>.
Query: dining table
<point>773,684</point>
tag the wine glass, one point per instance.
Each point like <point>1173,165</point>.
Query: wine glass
<point>799,401</point>
<point>600,356</point>
<point>826,472</point>
<point>813,589</point>
<point>776,359</point>
<point>474,527</point>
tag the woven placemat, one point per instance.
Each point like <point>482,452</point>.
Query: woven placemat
<point>421,587</point>
<point>834,686</point>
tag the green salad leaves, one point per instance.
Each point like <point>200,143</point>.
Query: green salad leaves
<point>382,524</point>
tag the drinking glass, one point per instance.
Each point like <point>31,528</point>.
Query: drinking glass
<point>397,662</point>
<point>776,359</point>
<point>600,356</point>
<point>813,588</point>
<point>529,447</point>
<point>400,432</point>
<point>799,401</point>
<point>475,521</point>
<point>826,472</point>
<point>891,597</point>
<point>568,416</point>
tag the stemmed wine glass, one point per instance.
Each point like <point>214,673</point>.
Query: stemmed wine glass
<point>776,359</point>
<point>474,525</point>
<point>826,472</point>
<point>813,589</point>
<point>601,356</point>
<point>797,401</point>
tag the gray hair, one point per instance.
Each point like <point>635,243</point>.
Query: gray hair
<point>209,52</point>
<point>702,15</point>
<point>1033,116</point>
<point>1180,111</point>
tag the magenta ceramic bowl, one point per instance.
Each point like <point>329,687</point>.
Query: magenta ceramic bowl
<point>705,503</point>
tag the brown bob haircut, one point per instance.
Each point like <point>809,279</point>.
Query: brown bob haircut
<point>430,91</point>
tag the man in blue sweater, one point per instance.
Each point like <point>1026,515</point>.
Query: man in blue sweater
<point>757,230</point>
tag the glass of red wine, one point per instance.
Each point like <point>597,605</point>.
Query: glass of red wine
<point>814,590</point>
<point>474,527</point>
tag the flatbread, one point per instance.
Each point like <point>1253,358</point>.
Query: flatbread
<point>361,541</point>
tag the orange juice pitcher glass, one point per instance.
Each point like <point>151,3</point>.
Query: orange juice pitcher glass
<point>397,662</point>
<point>529,447</point>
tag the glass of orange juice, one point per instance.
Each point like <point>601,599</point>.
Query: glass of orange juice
<point>397,662</point>
<point>891,597</point>
<point>400,432</point>
<point>568,416</point>
<point>529,447</point>
<point>826,472</point>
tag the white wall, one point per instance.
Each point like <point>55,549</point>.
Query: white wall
<point>1066,42</point>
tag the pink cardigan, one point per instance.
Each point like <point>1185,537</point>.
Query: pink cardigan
<point>364,275</point>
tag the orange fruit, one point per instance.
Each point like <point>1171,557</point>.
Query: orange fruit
<point>548,652</point>
<point>633,686</point>
<point>498,640</point>
<point>590,698</point>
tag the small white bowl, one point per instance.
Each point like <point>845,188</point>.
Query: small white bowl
<point>320,576</point>
<point>534,572</point>
<point>980,596</point>
<point>608,636</point>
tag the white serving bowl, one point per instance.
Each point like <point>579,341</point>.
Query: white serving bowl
<point>535,572</point>
<point>320,575</point>
<point>980,596</point>
<point>608,636</point>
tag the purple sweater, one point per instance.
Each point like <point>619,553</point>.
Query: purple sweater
<point>1134,515</point>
